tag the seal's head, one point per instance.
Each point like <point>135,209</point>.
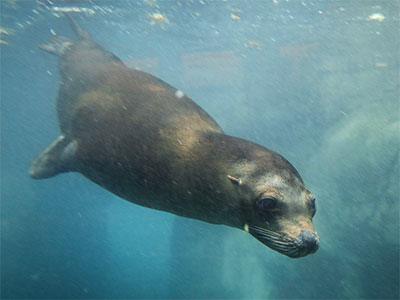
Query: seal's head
<point>275,206</point>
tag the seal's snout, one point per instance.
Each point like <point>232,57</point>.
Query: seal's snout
<point>309,241</point>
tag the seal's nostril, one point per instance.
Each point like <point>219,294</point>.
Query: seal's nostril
<point>309,240</point>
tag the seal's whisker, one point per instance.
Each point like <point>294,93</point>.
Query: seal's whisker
<point>274,240</point>
<point>266,236</point>
<point>260,229</point>
<point>270,234</point>
<point>283,250</point>
<point>263,229</point>
<point>279,246</point>
<point>286,246</point>
<point>283,244</point>
<point>277,242</point>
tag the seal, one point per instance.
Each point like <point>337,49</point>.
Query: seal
<point>149,143</point>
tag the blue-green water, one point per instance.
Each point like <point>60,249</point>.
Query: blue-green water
<point>317,81</point>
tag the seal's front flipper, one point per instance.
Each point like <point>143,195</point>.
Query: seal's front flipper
<point>59,157</point>
<point>57,45</point>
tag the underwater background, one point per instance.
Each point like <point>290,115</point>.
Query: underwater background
<point>316,81</point>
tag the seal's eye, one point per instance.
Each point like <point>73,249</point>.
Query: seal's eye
<point>267,203</point>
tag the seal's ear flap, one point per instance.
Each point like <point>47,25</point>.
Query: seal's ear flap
<point>235,180</point>
<point>59,157</point>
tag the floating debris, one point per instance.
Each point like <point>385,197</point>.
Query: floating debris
<point>236,10</point>
<point>381,65</point>
<point>254,45</point>
<point>35,276</point>
<point>235,17</point>
<point>376,17</point>
<point>73,9</point>
<point>179,94</point>
<point>151,3</point>
<point>4,31</point>
<point>158,18</point>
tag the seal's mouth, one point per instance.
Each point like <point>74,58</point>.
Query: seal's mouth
<point>306,242</point>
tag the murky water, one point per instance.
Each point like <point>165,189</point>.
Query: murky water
<point>317,81</point>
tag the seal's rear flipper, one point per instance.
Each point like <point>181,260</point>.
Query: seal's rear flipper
<point>59,157</point>
<point>82,35</point>
<point>57,45</point>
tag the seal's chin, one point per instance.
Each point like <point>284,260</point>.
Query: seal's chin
<point>306,243</point>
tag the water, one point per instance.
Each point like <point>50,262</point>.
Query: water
<point>317,81</point>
